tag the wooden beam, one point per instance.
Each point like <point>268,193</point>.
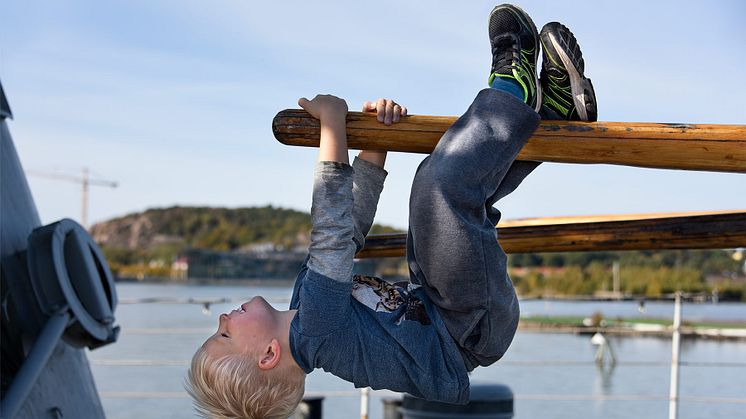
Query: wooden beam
<point>717,230</point>
<point>572,219</point>
<point>719,148</point>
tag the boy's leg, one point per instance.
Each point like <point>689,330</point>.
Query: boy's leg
<point>452,246</point>
<point>520,169</point>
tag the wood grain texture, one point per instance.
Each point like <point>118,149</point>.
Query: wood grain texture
<point>718,230</point>
<point>540,221</point>
<point>707,147</point>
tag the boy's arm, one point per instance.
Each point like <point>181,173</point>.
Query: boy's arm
<point>369,173</point>
<point>331,112</point>
<point>367,184</point>
<point>332,248</point>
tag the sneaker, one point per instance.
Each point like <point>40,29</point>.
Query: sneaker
<point>515,50</point>
<point>566,90</point>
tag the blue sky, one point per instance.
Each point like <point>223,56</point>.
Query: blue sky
<point>174,99</point>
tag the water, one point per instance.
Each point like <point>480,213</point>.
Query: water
<point>631,310</point>
<point>637,387</point>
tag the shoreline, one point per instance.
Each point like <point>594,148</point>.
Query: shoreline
<point>634,329</point>
<point>248,282</point>
<point>699,298</point>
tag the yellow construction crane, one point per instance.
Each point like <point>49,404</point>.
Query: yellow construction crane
<point>85,180</point>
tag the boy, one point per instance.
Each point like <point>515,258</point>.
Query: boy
<point>460,309</point>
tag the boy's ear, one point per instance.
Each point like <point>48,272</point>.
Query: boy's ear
<point>271,355</point>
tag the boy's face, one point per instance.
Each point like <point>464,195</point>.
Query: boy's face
<point>250,326</point>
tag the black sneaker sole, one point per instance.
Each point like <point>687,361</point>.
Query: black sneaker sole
<point>557,40</point>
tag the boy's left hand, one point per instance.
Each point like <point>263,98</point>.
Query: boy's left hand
<point>388,110</point>
<point>325,108</point>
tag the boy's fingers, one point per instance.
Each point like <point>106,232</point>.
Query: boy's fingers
<point>381,108</point>
<point>389,112</point>
<point>302,102</point>
<point>369,106</point>
<point>403,110</point>
<point>397,113</point>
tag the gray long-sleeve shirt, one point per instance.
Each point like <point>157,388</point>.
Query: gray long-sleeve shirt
<point>362,329</point>
<point>342,212</point>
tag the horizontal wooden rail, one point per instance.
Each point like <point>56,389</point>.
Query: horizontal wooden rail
<point>542,221</point>
<point>718,148</point>
<point>717,230</point>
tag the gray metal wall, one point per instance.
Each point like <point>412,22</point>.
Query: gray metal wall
<point>65,387</point>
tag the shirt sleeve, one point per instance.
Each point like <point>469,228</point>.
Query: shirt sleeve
<point>367,184</point>
<point>332,248</point>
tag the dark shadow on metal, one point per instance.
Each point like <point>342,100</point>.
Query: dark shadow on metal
<point>4,106</point>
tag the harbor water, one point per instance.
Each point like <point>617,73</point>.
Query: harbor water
<point>552,375</point>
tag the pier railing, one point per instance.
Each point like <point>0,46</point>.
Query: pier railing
<point>708,147</point>
<point>713,230</point>
<point>720,148</point>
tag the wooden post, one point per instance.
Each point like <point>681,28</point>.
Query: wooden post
<point>717,230</point>
<point>719,148</point>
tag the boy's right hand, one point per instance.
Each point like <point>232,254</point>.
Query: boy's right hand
<point>388,111</point>
<point>325,107</point>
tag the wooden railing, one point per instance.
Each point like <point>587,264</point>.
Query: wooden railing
<point>717,230</point>
<point>719,148</point>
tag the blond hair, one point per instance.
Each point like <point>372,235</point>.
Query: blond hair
<point>232,386</point>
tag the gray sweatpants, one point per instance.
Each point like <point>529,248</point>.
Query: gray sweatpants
<point>452,247</point>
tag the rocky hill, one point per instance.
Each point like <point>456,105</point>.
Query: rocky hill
<point>204,227</point>
<point>157,236</point>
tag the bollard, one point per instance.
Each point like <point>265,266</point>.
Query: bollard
<point>487,401</point>
<point>309,408</point>
<point>392,408</point>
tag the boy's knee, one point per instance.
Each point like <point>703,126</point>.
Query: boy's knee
<point>446,185</point>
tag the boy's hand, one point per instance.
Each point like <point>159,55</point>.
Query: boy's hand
<point>388,110</point>
<point>331,112</point>
<point>325,107</point>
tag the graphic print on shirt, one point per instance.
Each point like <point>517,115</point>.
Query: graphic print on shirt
<point>379,295</point>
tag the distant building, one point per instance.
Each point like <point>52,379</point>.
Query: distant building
<point>180,268</point>
<point>209,264</point>
<point>198,264</point>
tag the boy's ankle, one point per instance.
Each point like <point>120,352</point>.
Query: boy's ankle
<point>509,85</point>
